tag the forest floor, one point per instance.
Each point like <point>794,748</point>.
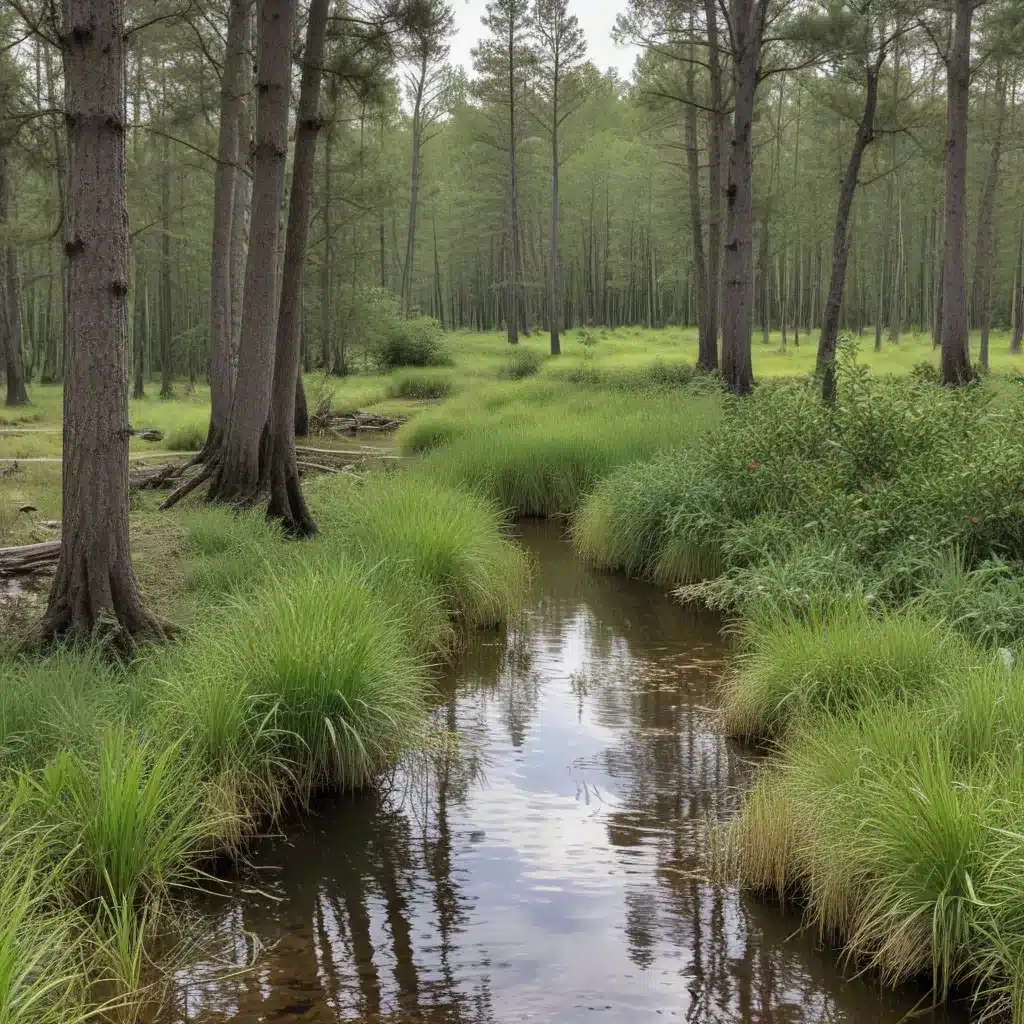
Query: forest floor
<point>895,517</point>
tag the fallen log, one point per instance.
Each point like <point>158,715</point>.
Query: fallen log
<point>29,558</point>
<point>154,478</point>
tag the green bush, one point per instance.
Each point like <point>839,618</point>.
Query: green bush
<point>421,385</point>
<point>188,437</point>
<point>418,341</point>
<point>523,363</point>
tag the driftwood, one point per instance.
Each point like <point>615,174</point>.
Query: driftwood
<point>29,558</point>
<point>345,455</point>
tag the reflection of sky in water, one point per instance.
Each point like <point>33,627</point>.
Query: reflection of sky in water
<point>567,883</point>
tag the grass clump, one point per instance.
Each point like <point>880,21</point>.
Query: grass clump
<point>523,363</point>
<point>189,437</point>
<point>429,385</point>
<point>539,447</point>
<point>795,672</point>
<point>898,824</point>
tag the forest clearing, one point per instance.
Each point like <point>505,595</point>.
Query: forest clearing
<point>514,518</point>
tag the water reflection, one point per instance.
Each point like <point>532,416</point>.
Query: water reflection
<point>564,882</point>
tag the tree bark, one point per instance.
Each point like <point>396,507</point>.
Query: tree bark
<point>956,363</point>
<point>1017,330</point>
<point>232,107</point>
<point>717,128</point>
<point>414,186</point>
<point>825,368</point>
<point>166,321</point>
<point>237,477</point>
<point>747,17</point>
<point>94,584</point>
<point>10,297</point>
<point>554,286</point>
<point>512,311</point>
<point>707,356</point>
<point>984,252</point>
<point>286,500</point>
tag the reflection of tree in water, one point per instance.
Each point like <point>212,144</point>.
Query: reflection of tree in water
<point>365,921</point>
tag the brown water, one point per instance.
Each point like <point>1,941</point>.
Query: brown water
<point>554,871</point>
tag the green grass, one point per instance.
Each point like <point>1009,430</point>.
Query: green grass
<point>306,666</point>
<point>900,827</point>
<point>538,447</point>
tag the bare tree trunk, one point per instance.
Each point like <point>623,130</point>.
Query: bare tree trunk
<point>94,586</point>
<point>414,189</point>
<point>1017,332</point>
<point>707,355</point>
<point>166,323</point>
<point>956,362</point>
<point>512,311</point>
<point>10,298</point>
<point>325,266</point>
<point>241,204</point>
<point>717,128</point>
<point>826,368</point>
<point>232,106</point>
<point>286,500</point>
<point>984,252</point>
<point>747,18</point>
<point>237,477</point>
<point>554,287</point>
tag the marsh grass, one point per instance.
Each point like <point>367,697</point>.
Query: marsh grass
<point>305,667</point>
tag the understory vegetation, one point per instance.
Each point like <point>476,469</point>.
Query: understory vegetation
<point>871,554</point>
<point>305,667</point>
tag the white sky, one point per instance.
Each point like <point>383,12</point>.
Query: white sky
<point>597,18</point>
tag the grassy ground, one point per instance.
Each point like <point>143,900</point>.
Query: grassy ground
<point>872,551</point>
<point>303,667</point>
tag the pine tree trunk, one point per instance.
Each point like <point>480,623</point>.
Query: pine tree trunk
<point>737,327</point>
<point>414,186</point>
<point>554,286</point>
<point>94,586</point>
<point>985,247</point>
<point>10,297</point>
<point>241,203</point>
<point>512,299</point>
<point>166,321</point>
<point>717,128</point>
<point>1017,331</point>
<point>325,266</point>
<point>237,476</point>
<point>286,500</point>
<point>956,364</point>
<point>825,368</point>
<point>707,355</point>
<point>232,104</point>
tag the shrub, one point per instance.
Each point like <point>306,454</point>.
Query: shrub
<point>418,341</point>
<point>187,437</point>
<point>799,670</point>
<point>421,385</point>
<point>523,363</point>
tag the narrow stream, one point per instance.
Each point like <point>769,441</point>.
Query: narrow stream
<point>554,875</point>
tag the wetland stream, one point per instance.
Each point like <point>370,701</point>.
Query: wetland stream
<point>554,871</point>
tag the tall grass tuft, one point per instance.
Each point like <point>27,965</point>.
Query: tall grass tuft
<point>797,671</point>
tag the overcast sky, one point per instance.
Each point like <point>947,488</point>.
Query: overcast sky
<point>597,17</point>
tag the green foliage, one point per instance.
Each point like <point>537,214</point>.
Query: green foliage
<point>424,385</point>
<point>187,438</point>
<point>795,507</point>
<point>308,669</point>
<point>798,670</point>
<point>539,447</point>
<point>901,825</point>
<point>523,363</point>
